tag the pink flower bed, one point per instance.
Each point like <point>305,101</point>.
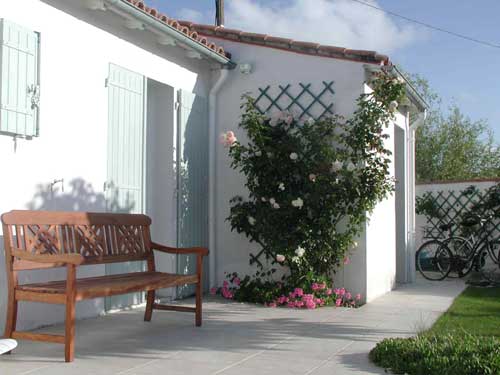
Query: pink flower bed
<point>320,295</point>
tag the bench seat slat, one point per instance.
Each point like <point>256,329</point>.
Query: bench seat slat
<point>102,286</point>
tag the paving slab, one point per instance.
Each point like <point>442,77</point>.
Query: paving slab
<point>239,338</point>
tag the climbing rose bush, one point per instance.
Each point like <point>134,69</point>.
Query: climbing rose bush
<point>311,182</point>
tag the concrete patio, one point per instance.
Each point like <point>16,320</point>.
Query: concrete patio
<point>239,338</point>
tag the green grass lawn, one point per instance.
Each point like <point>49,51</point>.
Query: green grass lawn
<point>465,340</point>
<point>476,310</point>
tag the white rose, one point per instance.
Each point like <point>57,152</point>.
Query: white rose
<point>312,177</point>
<point>351,166</point>
<point>298,203</point>
<point>295,259</point>
<point>294,156</point>
<point>258,153</point>
<point>276,206</point>
<point>310,121</point>
<point>336,166</point>
<point>269,154</point>
<point>354,244</point>
<point>272,201</point>
<point>281,186</point>
<point>300,252</point>
<point>280,258</point>
<point>263,199</point>
<point>393,106</point>
<point>251,220</point>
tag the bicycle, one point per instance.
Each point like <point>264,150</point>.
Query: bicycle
<point>438,258</point>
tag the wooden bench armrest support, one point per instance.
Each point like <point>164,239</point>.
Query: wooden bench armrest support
<point>60,259</point>
<point>191,250</point>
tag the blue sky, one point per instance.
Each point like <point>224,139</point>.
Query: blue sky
<point>460,71</point>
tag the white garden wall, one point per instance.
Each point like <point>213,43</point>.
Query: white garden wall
<point>445,186</point>
<point>73,123</point>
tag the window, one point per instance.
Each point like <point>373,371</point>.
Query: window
<point>19,80</point>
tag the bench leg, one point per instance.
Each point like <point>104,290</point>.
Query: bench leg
<point>11,319</point>
<point>150,300</point>
<point>199,289</point>
<point>198,304</point>
<point>69,337</point>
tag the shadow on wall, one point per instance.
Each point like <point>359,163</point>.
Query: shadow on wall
<point>81,196</point>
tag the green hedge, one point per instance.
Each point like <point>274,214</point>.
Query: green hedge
<point>445,354</point>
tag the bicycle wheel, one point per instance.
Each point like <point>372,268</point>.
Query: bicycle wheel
<point>433,260</point>
<point>462,252</point>
<point>490,266</point>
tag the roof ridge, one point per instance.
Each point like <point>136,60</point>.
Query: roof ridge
<point>309,48</point>
<point>193,34</point>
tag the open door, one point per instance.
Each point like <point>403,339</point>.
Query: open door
<point>125,168</point>
<point>192,177</point>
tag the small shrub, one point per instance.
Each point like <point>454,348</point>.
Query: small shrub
<point>450,354</point>
<point>261,288</point>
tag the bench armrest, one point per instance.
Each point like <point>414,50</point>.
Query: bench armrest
<point>62,259</point>
<point>172,250</point>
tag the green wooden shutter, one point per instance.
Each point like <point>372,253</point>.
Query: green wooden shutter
<point>192,148</point>
<point>19,80</point>
<point>125,164</point>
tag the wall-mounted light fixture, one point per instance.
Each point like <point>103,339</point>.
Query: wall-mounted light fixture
<point>245,68</point>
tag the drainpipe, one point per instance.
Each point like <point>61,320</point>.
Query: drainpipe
<point>212,142</point>
<point>411,238</point>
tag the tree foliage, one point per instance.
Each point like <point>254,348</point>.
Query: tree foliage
<point>451,146</point>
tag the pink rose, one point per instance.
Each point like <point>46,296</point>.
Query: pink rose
<point>322,286</point>
<point>348,295</point>
<point>299,304</point>
<point>329,292</point>
<point>236,281</point>
<point>342,291</point>
<point>347,260</point>
<point>358,297</point>
<point>225,284</point>
<point>228,139</point>
<point>280,258</point>
<point>227,294</point>
<point>338,302</point>
<point>291,304</point>
<point>271,304</point>
<point>307,297</point>
<point>213,291</point>
<point>336,291</point>
<point>310,304</point>
<point>314,286</point>
<point>298,292</point>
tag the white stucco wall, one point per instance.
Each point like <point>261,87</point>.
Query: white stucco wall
<point>273,67</point>
<point>73,123</point>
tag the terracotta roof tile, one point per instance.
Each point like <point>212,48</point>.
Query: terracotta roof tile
<point>184,27</point>
<point>308,48</point>
<point>200,33</point>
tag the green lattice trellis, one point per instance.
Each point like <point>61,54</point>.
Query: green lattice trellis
<point>444,207</point>
<point>307,101</point>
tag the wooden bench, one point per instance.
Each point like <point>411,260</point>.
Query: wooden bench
<point>43,239</point>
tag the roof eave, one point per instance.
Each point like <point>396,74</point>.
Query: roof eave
<point>167,30</point>
<point>411,92</point>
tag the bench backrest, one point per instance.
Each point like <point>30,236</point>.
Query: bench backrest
<point>98,237</point>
